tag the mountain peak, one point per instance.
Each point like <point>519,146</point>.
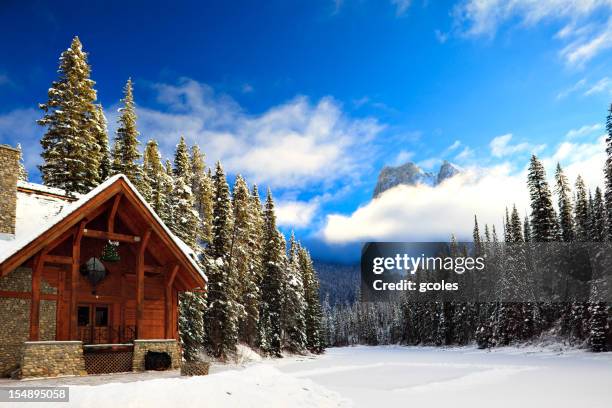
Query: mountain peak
<point>411,175</point>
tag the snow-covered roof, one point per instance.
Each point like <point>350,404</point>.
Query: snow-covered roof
<point>37,213</point>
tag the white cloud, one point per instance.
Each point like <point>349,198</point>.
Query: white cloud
<point>500,146</point>
<point>401,6</point>
<point>585,38</point>
<point>296,144</point>
<point>465,154</point>
<point>402,157</point>
<point>432,213</point>
<point>295,214</point>
<point>583,131</point>
<point>601,86</point>
<point>577,86</point>
<point>19,126</point>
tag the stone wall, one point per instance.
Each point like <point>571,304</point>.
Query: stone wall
<point>15,317</point>
<point>9,171</point>
<point>52,359</point>
<point>169,346</point>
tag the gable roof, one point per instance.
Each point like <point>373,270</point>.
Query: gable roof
<point>39,213</point>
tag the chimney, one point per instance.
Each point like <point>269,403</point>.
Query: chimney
<point>9,171</point>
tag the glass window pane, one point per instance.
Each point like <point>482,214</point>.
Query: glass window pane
<point>101,316</point>
<point>83,315</point>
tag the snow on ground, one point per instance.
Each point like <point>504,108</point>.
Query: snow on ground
<point>460,377</point>
<point>389,376</point>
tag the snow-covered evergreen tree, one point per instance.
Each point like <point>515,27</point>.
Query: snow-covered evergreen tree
<point>566,218</point>
<point>191,324</point>
<point>154,176</point>
<point>314,314</point>
<point>543,218</point>
<point>201,185</point>
<point>608,172</point>
<point>272,279</point>
<point>185,219</point>
<point>223,309</point>
<point>125,152</point>
<point>101,134</point>
<point>582,211</point>
<point>71,153</point>
<point>598,220</point>
<point>293,322</point>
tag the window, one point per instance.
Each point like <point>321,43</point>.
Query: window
<point>83,316</point>
<point>101,316</point>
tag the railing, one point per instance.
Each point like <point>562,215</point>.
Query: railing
<point>107,335</point>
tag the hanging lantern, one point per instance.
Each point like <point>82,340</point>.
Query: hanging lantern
<point>95,271</point>
<point>110,252</point>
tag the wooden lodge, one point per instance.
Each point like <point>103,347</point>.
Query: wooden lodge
<point>98,272</point>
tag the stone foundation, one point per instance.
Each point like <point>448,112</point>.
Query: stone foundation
<point>169,346</point>
<point>52,359</point>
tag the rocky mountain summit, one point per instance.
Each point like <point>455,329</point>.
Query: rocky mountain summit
<point>411,175</point>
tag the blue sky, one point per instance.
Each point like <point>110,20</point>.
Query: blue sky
<point>313,98</point>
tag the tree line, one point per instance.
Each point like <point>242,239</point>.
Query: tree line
<point>580,217</point>
<point>261,290</point>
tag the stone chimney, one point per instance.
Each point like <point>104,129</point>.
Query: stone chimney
<point>9,171</point>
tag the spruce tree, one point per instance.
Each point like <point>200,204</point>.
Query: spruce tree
<point>543,218</point>
<point>191,324</point>
<point>566,219</point>
<point>272,280</point>
<point>241,262</point>
<point>477,238</point>
<point>185,218</point>
<point>71,154</point>
<point>223,310</point>
<point>598,218</point>
<point>314,315</point>
<point>101,134</point>
<point>154,176</point>
<point>526,230</point>
<point>125,153</point>
<point>516,226</point>
<point>582,211</point>
<point>294,304</point>
<point>201,185</point>
<point>608,172</point>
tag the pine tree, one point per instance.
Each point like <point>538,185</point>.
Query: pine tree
<point>314,339</point>
<point>167,187</point>
<point>154,176</point>
<point>23,173</point>
<point>526,230</point>
<point>101,135</point>
<point>71,154</point>
<point>582,211</point>
<point>191,323</point>
<point>566,219</point>
<point>608,171</point>
<point>272,279</point>
<point>543,217</point>
<point>241,262</point>
<point>598,218</point>
<point>516,232</point>
<point>477,238</point>
<point>294,305</point>
<point>201,185</point>
<point>185,218</point>
<point>125,152</point>
<point>223,311</point>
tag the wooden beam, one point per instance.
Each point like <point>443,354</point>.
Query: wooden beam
<point>35,296</point>
<point>74,281</point>
<point>113,236</point>
<point>59,305</point>
<point>168,300</point>
<point>113,213</point>
<point>140,283</point>
<point>57,259</point>
<point>155,269</point>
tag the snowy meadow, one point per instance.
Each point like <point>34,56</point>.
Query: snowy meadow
<point>365,376</point>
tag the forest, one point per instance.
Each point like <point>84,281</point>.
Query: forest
<point>261,291</point>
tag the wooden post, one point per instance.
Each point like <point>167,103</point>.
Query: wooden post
<point>59,304</point>
<point>168,314</point>
<point>74,278</point>
<point>140,282</point>
<point>113,213</point>
<point>35,301</point>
